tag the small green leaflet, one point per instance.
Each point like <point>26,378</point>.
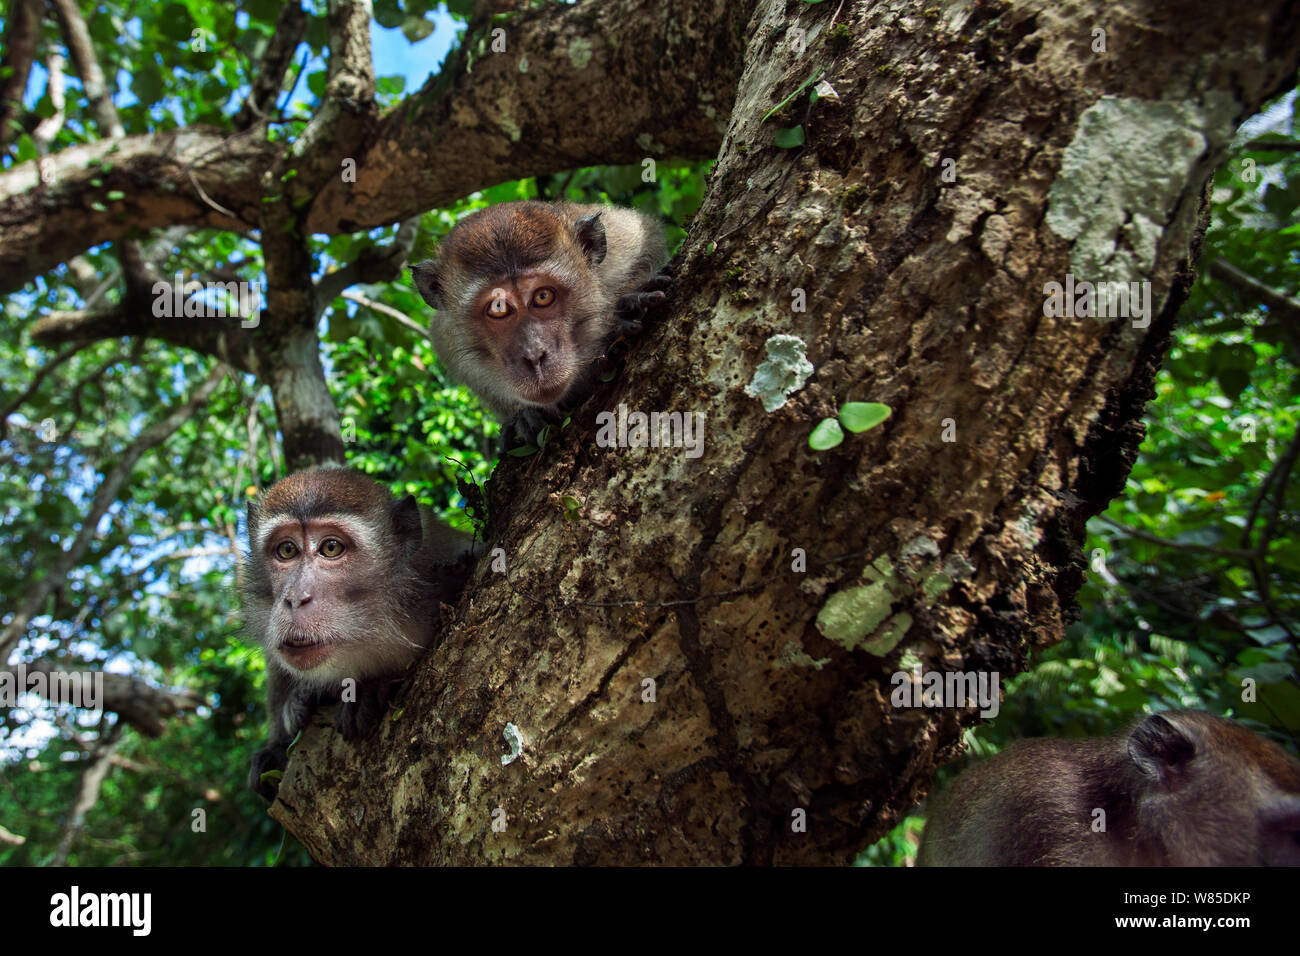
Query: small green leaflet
<point>859,416</point>
<point>826,435</point>
<point>789,138</point>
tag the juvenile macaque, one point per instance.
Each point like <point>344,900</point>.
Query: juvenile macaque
<point>1182,788</point>
<point>530,295</point>
<point>341,581</point>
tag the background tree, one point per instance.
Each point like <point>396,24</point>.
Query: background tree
<point>260,142</point>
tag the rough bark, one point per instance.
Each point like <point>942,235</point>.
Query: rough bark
<point>925,295</point>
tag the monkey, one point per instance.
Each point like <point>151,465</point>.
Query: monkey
<point>341,580</point>
<point>1179,788</point>
<point>530,296</point>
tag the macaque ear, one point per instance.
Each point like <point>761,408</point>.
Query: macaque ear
<point>425,275</point>
<point>1159,748</point>
<point>590,233</point>
<point>405,515</point>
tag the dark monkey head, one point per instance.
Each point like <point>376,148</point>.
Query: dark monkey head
<point>1213,793</point>
<point>521,310</point>
<point>1180,788</point>
<point>337,577</point>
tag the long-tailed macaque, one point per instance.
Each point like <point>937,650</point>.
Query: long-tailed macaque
<point>530,295</point>
<point>342,581</point>
<point>1181,788</point>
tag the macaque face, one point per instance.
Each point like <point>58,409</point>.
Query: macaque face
<point>321,577</point>
<point>526,331</point>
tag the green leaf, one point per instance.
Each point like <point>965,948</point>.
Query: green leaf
<point>523,451</point>
<point>115,194</point>
<point>147,84</point>
<point>388,13</point>
<point>860,416</point>
<point>789,138</point>
<point>1233,381</point>
<point>416,29</point>
<point>175,23</point>
<point>826,435</point>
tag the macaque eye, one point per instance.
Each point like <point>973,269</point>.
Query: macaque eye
<point>498,308</point>
<point>331,548</point>
<point>543,297</point>
<point>286,550</point>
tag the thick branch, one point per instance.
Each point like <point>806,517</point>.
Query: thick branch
<point>223,339</point>
<point>165,177</point>
<point>541,105</point>
<point>346,115</point>
<point>137,702</point>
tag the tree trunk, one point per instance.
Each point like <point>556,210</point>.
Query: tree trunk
<point>947,538</point>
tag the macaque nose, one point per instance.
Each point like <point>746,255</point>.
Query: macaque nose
<point>297,601</point>
<point>535,362</point>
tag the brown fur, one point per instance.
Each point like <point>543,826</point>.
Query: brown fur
<point>1182,788</point>
<point>539,359</point>
<point>362,615</point>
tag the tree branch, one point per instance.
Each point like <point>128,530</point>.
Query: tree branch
<point>273,65</point>
<point>377,263</point>
<point>1274,145</point>
<point>1242,553</point>
<point>48,128</point>
<point>223,339</point>
<point>1285,306</point>
<point>42,373</point>
<point>44,223</point>
<point>82,50</point>
<point>400,317</point>
<point>92,778</point>
<point>22,32</point>
<point>468,130</point>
